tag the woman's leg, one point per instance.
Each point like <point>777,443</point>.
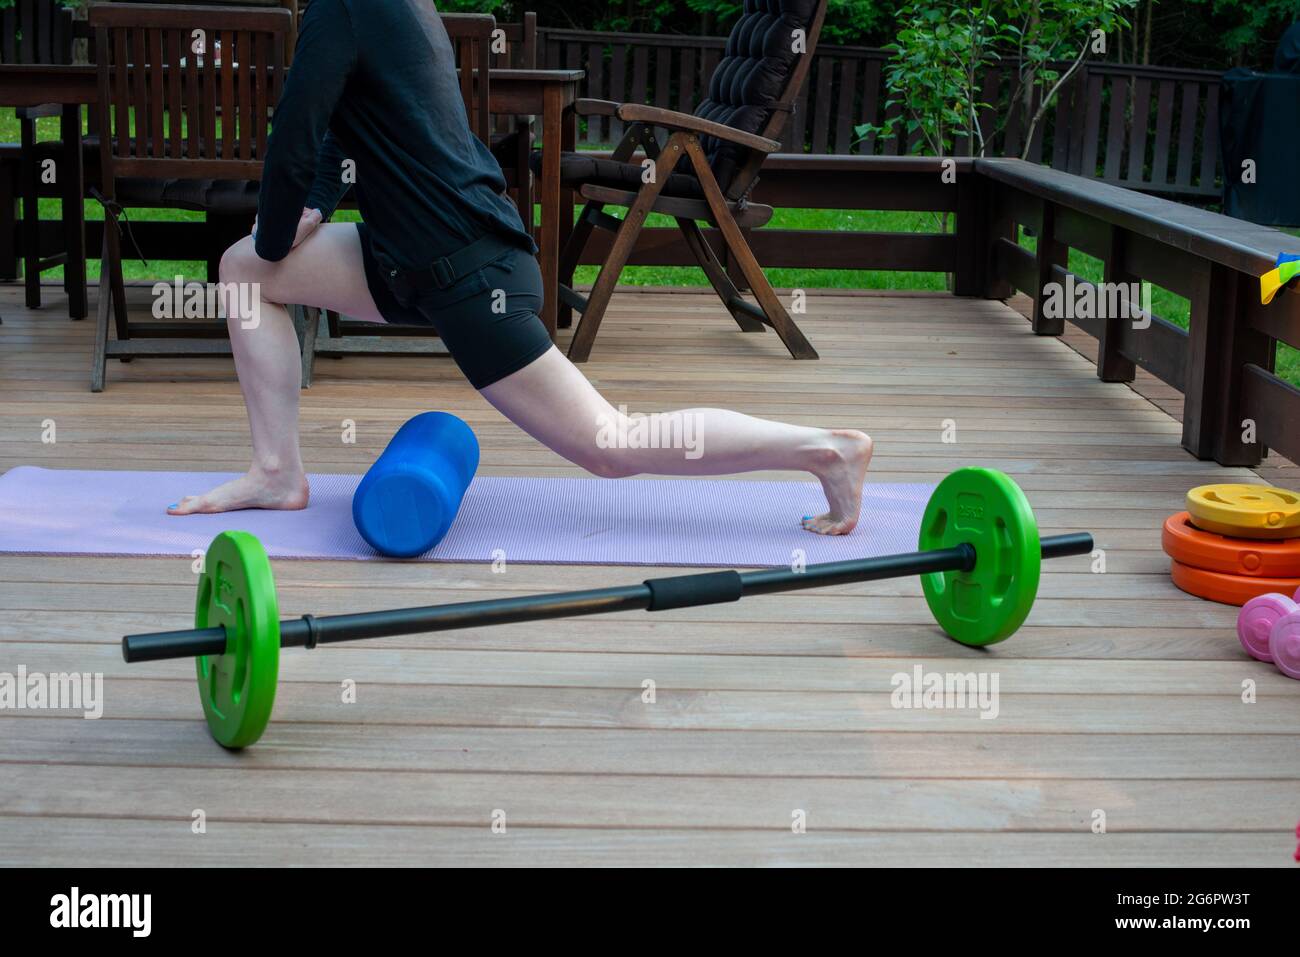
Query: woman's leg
<point>324,270</point>
<point>549,399</point>
<point>554,403</point>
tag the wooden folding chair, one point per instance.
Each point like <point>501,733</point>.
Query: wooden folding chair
<point>704,170</point>
<point>198,140</point>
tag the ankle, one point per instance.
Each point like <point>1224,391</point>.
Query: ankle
<point>275,469</point>
<point>836,449</point>
<point>825,455</point>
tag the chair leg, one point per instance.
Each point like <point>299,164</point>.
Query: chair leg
<point>603,289</point>
<point>795,342</point>
<point>10,190</point>
<point>524,172</point>
<point>99,357</point>
<point>571,255</point>
<point>310,330</point>
<point>624,242</point>
<point>74,217</point>
<point>722,284</point>
<point>31,214</point>
<point>111,263</point>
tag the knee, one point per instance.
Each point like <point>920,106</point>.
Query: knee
<point>243,287</point>
<point>605,463</point>
<point>241,264</point>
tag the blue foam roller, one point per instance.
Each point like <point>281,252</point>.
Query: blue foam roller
<point>407,501</point>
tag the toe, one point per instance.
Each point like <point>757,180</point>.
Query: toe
<point>828,525</point>
<point>186,506</point>
<point>816,523</point>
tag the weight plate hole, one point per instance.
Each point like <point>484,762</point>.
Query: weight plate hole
<point>1005,549</point>
<point>240,640</point>
<point>938,528</point>
<point>213,675</point>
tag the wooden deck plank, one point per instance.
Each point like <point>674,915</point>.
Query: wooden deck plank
<point>144,743</point>
<point>672,801</point>
<point>150,843</point>
<point>485,705</point>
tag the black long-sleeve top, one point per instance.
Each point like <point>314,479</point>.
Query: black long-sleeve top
<point>374,81</point>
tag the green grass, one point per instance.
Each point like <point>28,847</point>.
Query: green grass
<point>1166,304</point>
<point>834,219</point>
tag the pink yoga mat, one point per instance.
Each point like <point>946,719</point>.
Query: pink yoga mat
<point>563,521</point>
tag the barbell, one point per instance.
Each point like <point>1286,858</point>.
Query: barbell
<point>979,564</point>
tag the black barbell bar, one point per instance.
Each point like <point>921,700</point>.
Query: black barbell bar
<point>655,594</point>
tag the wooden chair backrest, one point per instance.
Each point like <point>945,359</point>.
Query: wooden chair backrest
<point>36,31</point>
<point>747,174</point>
<point>195,116</point>
<point>291,5</point>
<point>471,39</point>
<point>521,44</point>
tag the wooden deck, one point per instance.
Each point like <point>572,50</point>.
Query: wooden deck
<point>1121,695</point>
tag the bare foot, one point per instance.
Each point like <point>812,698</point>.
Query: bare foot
<point>842,470</point>
<point>254,490</point>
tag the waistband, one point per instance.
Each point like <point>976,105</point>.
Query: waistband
<point>451,268</point>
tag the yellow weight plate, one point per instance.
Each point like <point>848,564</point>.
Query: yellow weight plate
<point>1245,511</point>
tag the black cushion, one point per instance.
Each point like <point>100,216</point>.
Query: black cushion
<point>743,92</point>
<point>207,195</point>
<point>579,168</point>
<point>755,67</point>
<point>50,148</point>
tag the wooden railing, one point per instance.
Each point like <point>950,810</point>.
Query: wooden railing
<point>1234,406</point>
<point>1148,128</point>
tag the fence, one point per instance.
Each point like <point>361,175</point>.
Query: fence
<point>1148,128</point>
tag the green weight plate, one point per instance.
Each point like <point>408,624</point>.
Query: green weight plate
<point>988,510</point>
<point>237,590</point>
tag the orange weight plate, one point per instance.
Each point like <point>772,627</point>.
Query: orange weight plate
<point>1254,558</point>
<point>1227,589</point>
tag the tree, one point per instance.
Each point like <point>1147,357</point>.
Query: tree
<point>1250,28</point>
<point>945,47</point>
<point>1053,32</point>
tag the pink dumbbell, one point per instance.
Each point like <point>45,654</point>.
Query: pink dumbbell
<point>1284,645</point>
<point>1256,619</point>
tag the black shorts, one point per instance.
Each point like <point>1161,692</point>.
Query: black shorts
<point>488,319</point>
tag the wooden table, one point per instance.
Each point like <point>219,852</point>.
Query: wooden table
<point>549,94</point>
<point>71,87</point>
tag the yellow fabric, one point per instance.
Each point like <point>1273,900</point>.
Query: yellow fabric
<point>1275,279</point>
